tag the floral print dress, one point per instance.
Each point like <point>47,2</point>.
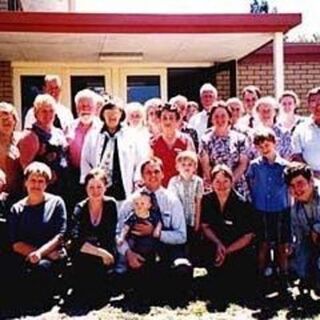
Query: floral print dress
<point>226,150</point>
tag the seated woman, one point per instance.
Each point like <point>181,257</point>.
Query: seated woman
<point>227,224</point>
<point>93,238</point>
<point>37,224</point>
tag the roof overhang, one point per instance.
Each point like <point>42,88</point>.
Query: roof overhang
<point>183,38</point>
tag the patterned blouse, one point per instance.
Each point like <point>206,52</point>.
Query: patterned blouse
<point>226,150</point>
<point>283,143</point>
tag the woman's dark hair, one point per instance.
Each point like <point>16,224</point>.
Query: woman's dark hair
<point>96,173</point>
<point>219,105</point>
<point>296,169</point>
<point>112,104</point>
<point>170,108</point>
<point>221,168</point>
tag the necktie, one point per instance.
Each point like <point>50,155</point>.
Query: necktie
<point>250,125</point>
<point>57,122</point>
<point>117,184</point>
<point>154,202</point>
<point>209,124</point>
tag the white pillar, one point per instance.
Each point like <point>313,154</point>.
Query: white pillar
<point>278,63</point>
<point>72,5</point>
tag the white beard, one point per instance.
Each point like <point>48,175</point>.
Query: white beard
<point>86,118</point>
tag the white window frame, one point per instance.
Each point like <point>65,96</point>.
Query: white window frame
<point>161,72</point>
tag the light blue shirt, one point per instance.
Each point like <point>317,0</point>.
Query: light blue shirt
<point>173,220</point>
<point>306,141</point>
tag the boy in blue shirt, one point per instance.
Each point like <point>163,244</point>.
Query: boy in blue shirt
<point>270,198</point>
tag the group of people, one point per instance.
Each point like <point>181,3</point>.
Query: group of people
<point>142,194</point>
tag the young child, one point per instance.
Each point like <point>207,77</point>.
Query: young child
<point>188,187</point>
<point>142,212</point>
<point>270,199</point>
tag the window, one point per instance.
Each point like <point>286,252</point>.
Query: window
<point>31,86</point>
<point>141,88</point>
<point>95,83</point>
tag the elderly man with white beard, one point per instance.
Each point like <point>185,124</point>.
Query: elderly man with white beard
<point>86,106</point>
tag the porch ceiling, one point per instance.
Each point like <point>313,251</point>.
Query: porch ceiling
<point>205,38</point>
<point>168,48</point>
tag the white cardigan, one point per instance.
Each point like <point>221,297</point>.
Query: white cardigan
<point>130,156</point>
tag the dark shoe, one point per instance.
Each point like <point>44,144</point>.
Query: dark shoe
<point>217,305</point>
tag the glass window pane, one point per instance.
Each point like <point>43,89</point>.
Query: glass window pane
<point>142,88</point>
<point>31,86</point>
<point>95,83</point>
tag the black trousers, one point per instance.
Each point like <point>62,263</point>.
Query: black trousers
<point>32,283</point>
<point>167,279</point>
<point>89,276</point>
<point>236,278</point>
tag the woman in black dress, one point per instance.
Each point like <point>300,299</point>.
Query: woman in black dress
<point>228,226</point>
<point>93,238</point>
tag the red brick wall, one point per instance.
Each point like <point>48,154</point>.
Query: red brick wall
<point>299,77</point>
<point>6,90</point>
<point>222,84</point>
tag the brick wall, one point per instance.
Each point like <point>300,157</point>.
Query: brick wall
<point>6,90</point>
<point>257,74</point>
<point>299,77</point>
<point>222,84</point>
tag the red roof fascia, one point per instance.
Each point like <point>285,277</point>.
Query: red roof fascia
<point>293,52</point>
<point>145,23</point>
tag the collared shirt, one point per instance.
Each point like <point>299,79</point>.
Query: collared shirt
<point>168,153</point>
<point>233,222</point>
<point>199,122</point>
<point>76,136</point>
<point>268,190</point>
<point>304,216</point>
<point>247,121</point>
<point>305,141</point>
<point>173,221</point>
<point>187,192</point>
